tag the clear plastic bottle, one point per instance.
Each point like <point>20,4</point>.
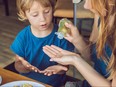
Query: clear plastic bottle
<point>62,30</point>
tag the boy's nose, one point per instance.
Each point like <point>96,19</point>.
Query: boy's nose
<point>42,18</point>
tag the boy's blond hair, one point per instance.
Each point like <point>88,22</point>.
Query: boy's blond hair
<point>23,5</point>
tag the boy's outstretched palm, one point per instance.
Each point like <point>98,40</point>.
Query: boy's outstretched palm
<point>26,66</point>
<point>55,69</point>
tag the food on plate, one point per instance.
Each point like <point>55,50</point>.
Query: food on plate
<point>24,85</point>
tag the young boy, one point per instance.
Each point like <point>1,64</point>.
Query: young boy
<point>30,58</point>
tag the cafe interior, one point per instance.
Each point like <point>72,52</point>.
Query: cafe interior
<point>10,26</point>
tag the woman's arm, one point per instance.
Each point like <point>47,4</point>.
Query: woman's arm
<point>94,78</point>
<point>87,71</point>
<point>68,58</point>
<point>114,82</point>
<point>94,34</point>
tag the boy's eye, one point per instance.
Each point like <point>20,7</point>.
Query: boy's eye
<point>47,11</point>
<point>34,15</point>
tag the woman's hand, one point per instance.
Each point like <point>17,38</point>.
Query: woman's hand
<point>74,35</point>
<point>55,69</point>
<point>59,55</point>
<point>25,66</point>
<point>54,51</point>
<point>65,60</point>
<point>78,41</point>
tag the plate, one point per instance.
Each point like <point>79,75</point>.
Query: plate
<point>0,79</point>
<point>20,83</point>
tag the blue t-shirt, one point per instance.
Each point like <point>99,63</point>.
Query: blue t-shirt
<point>30,48</point>
<point>99,65</point>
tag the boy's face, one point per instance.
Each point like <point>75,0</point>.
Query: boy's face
<point>39,17</point>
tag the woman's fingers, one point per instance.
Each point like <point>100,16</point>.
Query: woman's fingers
<point>61,51</point>
<point>52,52</point>
<point>60,61</point>
<point>71,27</point>
<point>48,52</point>
<point>55,59</point>
<point>56,48</point>
<point>68,37</point>
<point>74,32</point>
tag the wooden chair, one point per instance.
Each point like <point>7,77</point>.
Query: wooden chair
<point>65,9</point>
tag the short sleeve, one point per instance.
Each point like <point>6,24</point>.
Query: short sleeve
<point>67,46</point>
<point>18,45</point>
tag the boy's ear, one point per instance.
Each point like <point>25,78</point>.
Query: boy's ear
<point>25,17</point>
<point>22,17</point>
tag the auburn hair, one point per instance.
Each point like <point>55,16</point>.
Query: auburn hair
<point>107,31</point>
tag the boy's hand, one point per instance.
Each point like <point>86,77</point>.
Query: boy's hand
<point>55,69</point>
<point>27,66</point>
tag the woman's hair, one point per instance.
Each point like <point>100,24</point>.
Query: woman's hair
<point>23,5</point>
<point>107,32</point>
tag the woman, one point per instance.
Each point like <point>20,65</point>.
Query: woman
<point>103,53</point>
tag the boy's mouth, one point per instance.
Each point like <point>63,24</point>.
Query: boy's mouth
<point>43,25</point>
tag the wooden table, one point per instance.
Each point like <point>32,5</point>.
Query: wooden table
<point>8,76</point>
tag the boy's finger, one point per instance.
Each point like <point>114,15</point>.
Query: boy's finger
<point>18,58</point>
<point>54,72</point>
<point>64,68</point>
<point>45,73</point>
<point>35,69</point>
<point>42,71</point>
<point>49,74</point>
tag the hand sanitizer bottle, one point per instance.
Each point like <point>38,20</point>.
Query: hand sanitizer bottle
<point>62,30</point>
